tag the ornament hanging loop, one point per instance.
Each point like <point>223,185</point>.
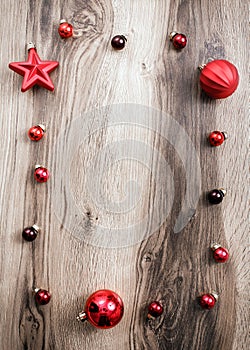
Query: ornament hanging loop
<point>31,45</point>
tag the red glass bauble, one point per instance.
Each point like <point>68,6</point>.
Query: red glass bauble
<point>207,301</point>
<point>42,296</point>
<point>103,309</point>
<point>65,29</point>
<point>155,309</point>
<point>216,138</point>
<point>220,254</point>
<point>179,41</point>
<point>36,132</point>
<point>41,174</point>
<point>219,78</point>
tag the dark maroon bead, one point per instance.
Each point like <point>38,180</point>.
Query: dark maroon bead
<point>42,296</point>
<point>118,42</point>
<point>155,309</point>
<point>30,233</point>
<point>216,196</point>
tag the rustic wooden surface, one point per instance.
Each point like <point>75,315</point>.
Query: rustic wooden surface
<point>173,268</point>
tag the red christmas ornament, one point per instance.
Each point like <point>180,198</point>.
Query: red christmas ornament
<point>103,309</point>
<point>207,301</point>
<point>36,132</point>
<point>220,254</point>
<point>30,233</point>
<point>65,29</point>
<point>219,78</point>
<point>42,296</point>
<point>155,309</point>
<point>179,40</point>
<point>34,70</point>
<point>41,174</point>
<point>216,138</point>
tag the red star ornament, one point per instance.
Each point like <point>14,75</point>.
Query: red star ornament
<point>34,70</point>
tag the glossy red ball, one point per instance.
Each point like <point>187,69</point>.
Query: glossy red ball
<point>104,309</point>
<point>42,297</point>
<point>155,309</point>
<point>207,301</point>
<point>179,41</point>
<point>216,138</point>
<point>118,42</point>
<point>219,79</point>
<point>41,174</point>
<point>65,30</point>
<point>220,255</point>
<point>36,132</point>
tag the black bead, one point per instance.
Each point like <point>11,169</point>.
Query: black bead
<point>29,234</point>
<point>118,42</point>
<point>215,196</point>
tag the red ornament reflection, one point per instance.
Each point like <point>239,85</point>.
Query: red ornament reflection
<point>219,78</point>
<point>103,309</point>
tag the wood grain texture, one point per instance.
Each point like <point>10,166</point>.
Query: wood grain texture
<point>170,267</point>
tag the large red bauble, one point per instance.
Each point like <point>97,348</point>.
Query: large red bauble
<point>219,79</point>
<point>104,309</point>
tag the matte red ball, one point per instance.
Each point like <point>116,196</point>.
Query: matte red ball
<point>36,133</point>
<point>65,30</point>
<point>216,138</point>
<point>42,297</point>
<point>179,41</point>
<point>41,174</point>
<point>207,301</point>
<point>219,79</point>
<point>221,255</point>
<point>104,309</point>
<point>155,309</point>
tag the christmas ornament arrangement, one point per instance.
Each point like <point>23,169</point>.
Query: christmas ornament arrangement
<point>218,79</point>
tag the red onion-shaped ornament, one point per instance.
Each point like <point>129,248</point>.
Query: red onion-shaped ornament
<point>219,78</point>
<point>103,309</point>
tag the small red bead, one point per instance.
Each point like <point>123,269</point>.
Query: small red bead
<point>220,255</point>
<point>65,30</point>
<point>118,42</point>
<point>216,138</point>
<point>36,133</point>
<point>30,233</point>
<point>155,309</point>
<point>207,301</point>
<point>179,41</point>
<point>41,174</point>
<point>42,297</point>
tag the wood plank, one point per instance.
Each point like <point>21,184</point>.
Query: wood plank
<point>113,182</point>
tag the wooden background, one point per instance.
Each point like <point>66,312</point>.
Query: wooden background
<point>173,268</point>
